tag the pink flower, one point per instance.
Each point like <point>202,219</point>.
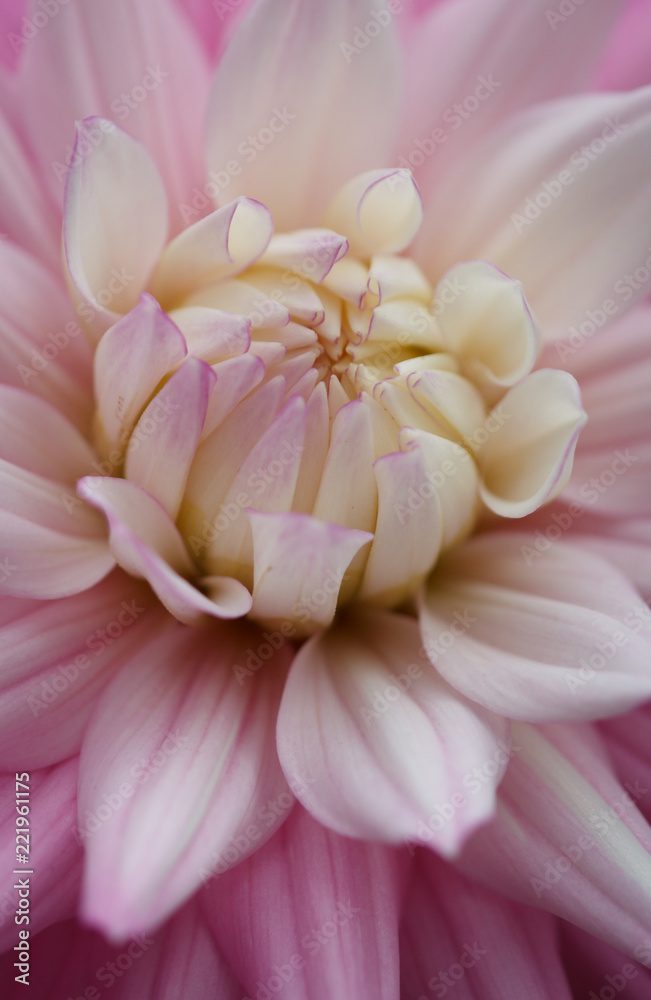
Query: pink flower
<point>297,503</point>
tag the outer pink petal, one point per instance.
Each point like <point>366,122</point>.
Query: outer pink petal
<point>26,214</point>
<point>625,64</point>
<point>495,57</point>
<point>504,951</point>
<point>592,228</point>
<point>52,544</point>
<point>56,658</point>
<point>388,742</point>
<point>37,437</point>
<point>110,253</point>
<point>537,633</point>
<point>287,71</point>
<point>612,468</point>
<point>132,63</point>
<point>55,856</point>
<point>567,837</point>
<point>313,911</point>
<point>627,739</point>
<point>42,347</point>
<point>176,763</point>
<point>180,960</point>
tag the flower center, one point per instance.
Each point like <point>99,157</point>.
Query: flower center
<point>353,415</point>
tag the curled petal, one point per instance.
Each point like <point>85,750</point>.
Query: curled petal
<point>146,543</point>
<point>217,247</point>
<point>528,445</point>
<point>484,318</point>
<point>299,564</point>
<point>379,212</point>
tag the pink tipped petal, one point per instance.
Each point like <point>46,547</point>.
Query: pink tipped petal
<point>51,797</point>
<point>146,543</point>
<point>379,212</point>
<point>291,80</point>
<point>484,318</point>
<point>130,360</point>
<point>194,733</point>
<point>309,253</point>
<point>506,951</point>
<point>51,543</point>
<point>567,837</point>
<point>236,378</point>
<point>37,437</point>
<point>165,438</point>
<point>539,636</point>
<point>111,254</point>
<point>277,910</point>
<point>407,541</point>
<point>131,63</point>
<point>56,657</point>
<point>218,247</point>
<point>211,334</point>
<point>388,743</point>
<point>526,457</point>
<point>299,563</point>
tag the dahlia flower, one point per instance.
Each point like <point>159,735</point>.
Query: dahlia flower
<point>325,499</point>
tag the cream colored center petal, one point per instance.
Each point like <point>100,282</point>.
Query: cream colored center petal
<point>354,421</point>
